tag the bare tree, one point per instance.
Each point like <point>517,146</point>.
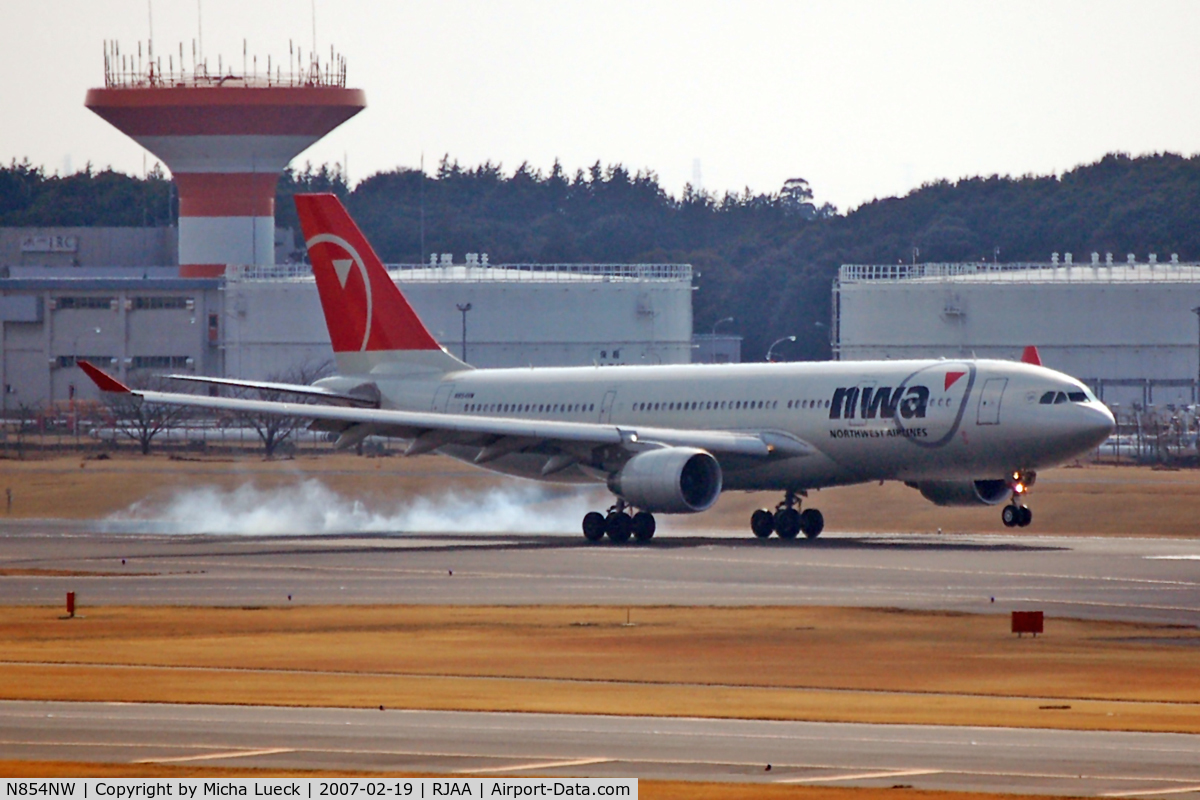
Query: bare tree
<point>139,420</point>
<point>26,414</point>
<point>273,430</point>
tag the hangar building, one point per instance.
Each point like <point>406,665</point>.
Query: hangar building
<point>1129,330</point>
<point>262,322</point>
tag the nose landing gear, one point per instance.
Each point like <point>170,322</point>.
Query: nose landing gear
<point>787,520</point>
<point>1016,514</point>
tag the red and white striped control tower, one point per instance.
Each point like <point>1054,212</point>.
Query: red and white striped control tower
<point>225,138</point>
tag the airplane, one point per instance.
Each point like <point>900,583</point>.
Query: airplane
<point>670,439</point>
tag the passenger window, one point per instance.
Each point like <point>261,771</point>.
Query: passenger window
<point>1047,398</point>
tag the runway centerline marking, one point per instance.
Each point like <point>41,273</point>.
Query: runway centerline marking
<point>1148,792</point>
<point>578,762</point>
<point>211,756</point>
<point>862,776</point>
<point>637,760</point>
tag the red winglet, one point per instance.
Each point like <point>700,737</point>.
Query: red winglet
<point>1031,356</point>
<point>104,382</point>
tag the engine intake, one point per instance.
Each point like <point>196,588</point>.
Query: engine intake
<point>671,480</point>
<point>965,493</point>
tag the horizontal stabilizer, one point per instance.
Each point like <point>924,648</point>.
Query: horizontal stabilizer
<point>368,399</point>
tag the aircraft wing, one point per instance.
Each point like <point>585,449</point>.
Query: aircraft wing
<point>429,430</point>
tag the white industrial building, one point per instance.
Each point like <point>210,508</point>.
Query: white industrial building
<point>1129,330</point>
<point>515,315</point>
<point>266,322</point>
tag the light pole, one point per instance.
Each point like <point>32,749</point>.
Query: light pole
<point>720,322</point>
<point>71,386</point>
<point>1196,392</point>
<point>464,308</point>
<point>777,341</point>
<point>712,342</point>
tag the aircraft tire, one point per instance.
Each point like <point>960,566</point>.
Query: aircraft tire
<point>1010,515</point>
<point>643,526</point>
<point>812,522</point>
<point>762,522</point>
<point>618,526</point>
<point>787,523</point>
<point>1026,517</point>
<point>593,526</point>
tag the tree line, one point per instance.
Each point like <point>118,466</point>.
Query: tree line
<point>766,259</point>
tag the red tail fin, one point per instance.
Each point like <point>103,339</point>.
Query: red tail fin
<point>363,308</point>
<point>1031,356</point>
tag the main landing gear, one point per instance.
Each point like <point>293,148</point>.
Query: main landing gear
<point>619,524</point>
<point>787,520</point>
<point>1016,514</point>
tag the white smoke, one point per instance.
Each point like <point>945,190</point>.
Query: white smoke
<point>310,506</point>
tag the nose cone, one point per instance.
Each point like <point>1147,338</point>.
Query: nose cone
<point>1093,424</point>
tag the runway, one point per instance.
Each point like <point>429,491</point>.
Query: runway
<point>823,754</point>
<point>1147,580</point>
<point>1137,579</point>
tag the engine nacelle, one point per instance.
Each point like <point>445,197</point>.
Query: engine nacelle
<point>671,480</point>
<point>965,493</point>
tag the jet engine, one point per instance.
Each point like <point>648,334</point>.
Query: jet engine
<point>672,480</point>
<point>965,493</point>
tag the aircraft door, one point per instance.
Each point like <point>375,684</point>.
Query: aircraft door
<point>441,399</point>
<point>606,405</point>
<point>989,401</point>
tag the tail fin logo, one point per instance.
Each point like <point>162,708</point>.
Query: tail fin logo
<point>341,267</point>
<point>364,309</point>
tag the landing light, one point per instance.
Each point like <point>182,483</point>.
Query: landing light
<point>1018,488</point>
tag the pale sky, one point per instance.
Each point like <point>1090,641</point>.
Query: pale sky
<point>863,99</point>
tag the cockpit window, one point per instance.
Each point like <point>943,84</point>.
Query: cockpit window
<point>1054,398</point>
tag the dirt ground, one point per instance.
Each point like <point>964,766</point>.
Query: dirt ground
<point>1083,500</point>
<point>868,665</point>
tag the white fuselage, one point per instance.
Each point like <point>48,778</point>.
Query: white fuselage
<point>866,420</point>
